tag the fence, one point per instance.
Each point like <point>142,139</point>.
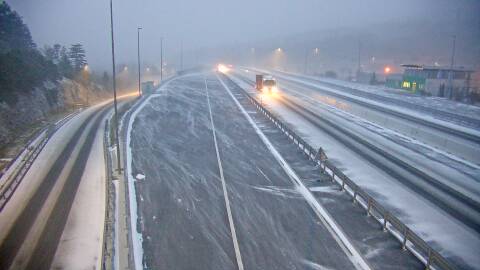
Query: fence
<point>410,240</point>
<point>28,156</point>
<point>109,225</point>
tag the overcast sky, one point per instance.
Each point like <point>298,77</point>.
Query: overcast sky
<point>204,23</point>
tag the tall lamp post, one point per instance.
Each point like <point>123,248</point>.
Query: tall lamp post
<point>117,142</point>
<point>161,59</point>
<point>138,59</point>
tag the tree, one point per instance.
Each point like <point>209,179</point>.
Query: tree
<point>77,57</point>
<point>49,53</point>
<point>14,34</point>
<point>64,65</point>
<point>106,80</point>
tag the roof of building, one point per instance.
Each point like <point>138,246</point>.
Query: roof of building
<point>415,66</point>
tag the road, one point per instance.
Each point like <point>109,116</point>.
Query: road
<point>447,136</point>
<point>217,194</point>
<point>45,208</point>
<point>382,177</point>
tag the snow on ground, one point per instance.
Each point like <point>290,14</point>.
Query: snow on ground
<point>38,171</point>
<point>329,223</point>
<point>406,111</point>
<point>438,103</point>
<point>81,244</point>
<point>137,237</point>
<point>444,171</point>
<point>431,223</point>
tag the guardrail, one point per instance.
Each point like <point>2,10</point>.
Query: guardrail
<point>409,239</point>
<point>475,123</point>
<point>109,224</point>
<point>33,149</point>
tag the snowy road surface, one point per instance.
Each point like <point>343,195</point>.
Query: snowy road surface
<point>60,202</point>
<point>449,236</point>
<point>195,175</point>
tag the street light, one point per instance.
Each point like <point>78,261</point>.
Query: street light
<point>117,142</point>
<point>161,59</point>
<point>138,59</point>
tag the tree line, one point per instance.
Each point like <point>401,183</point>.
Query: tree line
<point>23,66</point>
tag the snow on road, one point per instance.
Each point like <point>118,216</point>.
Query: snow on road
<point>181,207</point>
<point>81,243</point>
<point>451,238</point>
<point>437,103</point>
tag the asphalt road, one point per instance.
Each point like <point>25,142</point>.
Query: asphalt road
<point>70,164</point>
<point>184,208</point>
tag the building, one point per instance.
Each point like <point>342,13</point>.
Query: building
<point>394,80</point>
<point>435,81</point>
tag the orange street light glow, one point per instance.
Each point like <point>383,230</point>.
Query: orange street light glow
<point>387,70</point>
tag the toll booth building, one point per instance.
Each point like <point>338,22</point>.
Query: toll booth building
<point>434,80</point>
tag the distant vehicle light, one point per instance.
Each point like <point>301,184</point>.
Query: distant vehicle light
<point>222,68</point>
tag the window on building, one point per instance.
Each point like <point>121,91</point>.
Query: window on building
<point>406,84</point>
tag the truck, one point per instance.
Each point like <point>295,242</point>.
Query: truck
<point>259,82</point>
<point>265,84</point>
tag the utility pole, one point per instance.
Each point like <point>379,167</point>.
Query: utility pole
<point>181,54</point>
<point>450,73</point>
<point>138,58</point>
<point>161,59</point>
<point>117,142</point>
<point>359,54</point>
<point>306,62</point>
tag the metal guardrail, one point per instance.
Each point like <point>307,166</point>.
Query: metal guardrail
<point>8,187</point>
<point>410,240</point>
<point>109,224</point>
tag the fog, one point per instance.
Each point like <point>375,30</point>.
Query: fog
<point>217,28</point>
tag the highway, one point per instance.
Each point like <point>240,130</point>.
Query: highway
<point>219,193</point>
<point>423,123</point>
<point>371,156</point>
<point>34,219</point>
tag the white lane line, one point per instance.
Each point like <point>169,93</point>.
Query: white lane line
<point>329,223</point>
<point>224,187</point>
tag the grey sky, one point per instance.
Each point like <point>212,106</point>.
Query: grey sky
<point>209,22</point>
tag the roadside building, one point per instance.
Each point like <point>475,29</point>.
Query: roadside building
<point>453,83</point>
<point>394,80</point>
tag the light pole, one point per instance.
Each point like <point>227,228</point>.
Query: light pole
<point>117,142</point>
<point>138,58</point>
<point>451,73</point>
<point>161,59</point>
<point>181,54</point>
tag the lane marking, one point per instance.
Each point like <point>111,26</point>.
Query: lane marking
<point>330,224</point>
<point>224,187</point>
